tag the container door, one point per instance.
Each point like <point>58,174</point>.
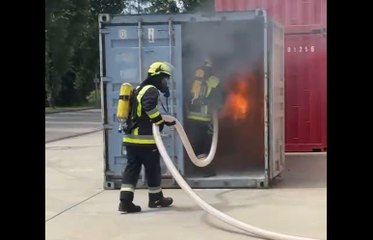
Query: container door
<point>305,92</point>
<point>276,101</point>
<point>157,45</point>
<point>129,50</point>
<point>121,60</point>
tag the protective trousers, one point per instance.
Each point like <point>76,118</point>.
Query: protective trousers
<point>137,156</point>
<point>149,157</point>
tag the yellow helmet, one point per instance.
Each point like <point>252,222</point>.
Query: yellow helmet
<point>160,67</point>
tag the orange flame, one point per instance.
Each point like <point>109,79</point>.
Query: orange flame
<point>237,104</point>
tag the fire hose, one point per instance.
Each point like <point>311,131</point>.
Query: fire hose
<point>204,162</point>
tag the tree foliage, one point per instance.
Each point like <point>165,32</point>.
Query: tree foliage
<point>162,6</point>
<point>198,5</point>
<point>175,6</point>
<point>64,22</point>
<point>71,45</point>
<point>71,41</point>
<point>108,6</point>
<point>57,52</point>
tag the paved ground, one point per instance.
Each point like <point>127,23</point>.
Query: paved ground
<point>66,124</point>
<point>77,207</point>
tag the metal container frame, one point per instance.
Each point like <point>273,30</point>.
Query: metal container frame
<point>273,68</point>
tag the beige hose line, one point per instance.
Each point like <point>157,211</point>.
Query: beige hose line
<point>201,163</point>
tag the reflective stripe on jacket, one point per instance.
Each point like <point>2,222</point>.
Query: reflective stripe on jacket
<point>146,109</point>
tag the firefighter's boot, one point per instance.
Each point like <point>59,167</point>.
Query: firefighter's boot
<point>158,200</point>
<point>126,204</point>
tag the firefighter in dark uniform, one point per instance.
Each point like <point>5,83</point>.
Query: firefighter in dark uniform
<point>140,143</point>
<point>205,97</point>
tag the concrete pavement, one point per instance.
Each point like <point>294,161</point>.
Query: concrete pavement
<point>66,124</point>
<point>77,207</point>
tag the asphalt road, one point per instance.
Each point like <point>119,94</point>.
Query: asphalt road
<point>68,124</point>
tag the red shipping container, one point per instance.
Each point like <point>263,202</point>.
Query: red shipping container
<point>305,73</point>
<point>275,8</point>
<point>305,13</point>
<point>290,13</point>
<point>305,92</point>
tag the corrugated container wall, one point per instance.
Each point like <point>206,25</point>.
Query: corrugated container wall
<point>304,22</point>
<point>305,92</point>
<point>290,13</point>
<point>274,8</point>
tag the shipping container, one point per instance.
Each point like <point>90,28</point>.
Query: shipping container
<point>299,17</point>
<point>305,92</point>
<point>274,8</point>
<point>290,13</point>
<point>248,50</point>
<point>300,13</point>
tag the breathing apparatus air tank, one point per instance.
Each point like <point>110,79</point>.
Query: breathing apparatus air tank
<point>124,105</point>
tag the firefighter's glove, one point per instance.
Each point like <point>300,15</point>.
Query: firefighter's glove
<point>167,124</point>
<point>170,123</point>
